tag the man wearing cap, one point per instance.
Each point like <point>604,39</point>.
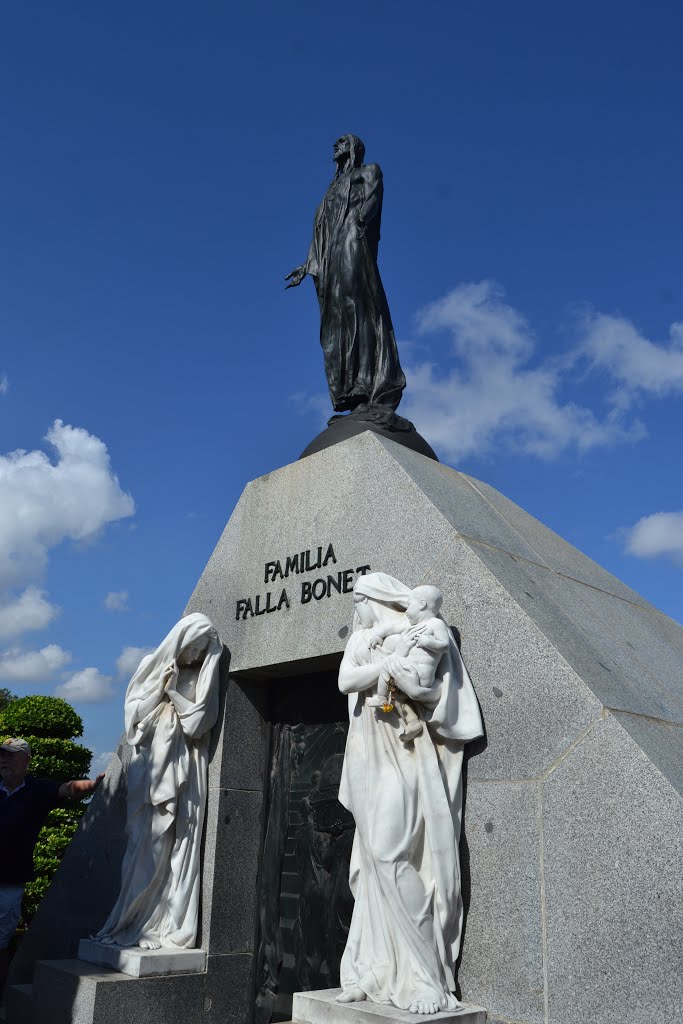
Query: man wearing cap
<point>25,803</point>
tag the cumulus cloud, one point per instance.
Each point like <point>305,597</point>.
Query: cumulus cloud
<point>655,535</point>
<point>116,601</point>
<point>43,503</point>
<point>100,762</point>
<point>4,383</point>
<point>129,659</point>
<point>19,666</point>
<point>495,393</point>
<point>30,611</point>
<point>89,686</point>
<point>637,364</point>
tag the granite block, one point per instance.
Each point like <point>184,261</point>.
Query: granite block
<point>74,992</point>
<point>233,840</point>
<point>353,495</point>
<point>228,991</point>
<point>245,738</point>
<point>174,1000</point>
<point>534,705</point>
<point>321,1008</point>
<point>452,494</point>
<point>613,848</point>
<point>501,966</point>
<point>142,963</point>
<point>662,742</point>
<point>617,648</point>
<point>551,550</point>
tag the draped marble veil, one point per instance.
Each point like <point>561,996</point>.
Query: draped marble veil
<point>406,800</point>
<point>169,712</point>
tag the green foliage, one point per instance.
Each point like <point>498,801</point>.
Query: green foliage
<point>61,760</point>
<point>42,717</point>
<point>48,725</point>
<point>52,844</point>
<point>5,697</point>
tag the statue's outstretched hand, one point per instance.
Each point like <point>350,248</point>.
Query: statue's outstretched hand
<point>296,277</point>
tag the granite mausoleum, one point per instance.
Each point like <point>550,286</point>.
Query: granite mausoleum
<point>573,812</point>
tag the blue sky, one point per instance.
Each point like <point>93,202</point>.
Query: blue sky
<point>162,163</point>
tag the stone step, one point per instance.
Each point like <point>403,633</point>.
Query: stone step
<point>69,991</point>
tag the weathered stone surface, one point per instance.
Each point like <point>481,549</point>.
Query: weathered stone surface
<point>502,960</point>
<point>663,742</point>
<point>613,848</point>
<point>321,1008</point>
<point>228,990</point>
<point>354,496</point>
<point>533,704</point>
<point>230,898</point>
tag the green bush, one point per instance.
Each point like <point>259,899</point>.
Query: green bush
<point>42,717</point>
<point>47,724</point>
<point>57,759</point>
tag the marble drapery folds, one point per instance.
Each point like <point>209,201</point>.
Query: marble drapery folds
<point>406,800</point>
<point>170,707</point>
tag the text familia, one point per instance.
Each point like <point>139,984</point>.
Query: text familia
<point>339,582</point>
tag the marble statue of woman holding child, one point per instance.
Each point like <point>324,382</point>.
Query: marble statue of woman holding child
<point>170,707</point>
<point>411,710</point>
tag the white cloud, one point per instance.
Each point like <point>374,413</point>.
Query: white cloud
<point>44,503</point>
<point>496,395</point>
<point>29,611</point>
<point>100,762</point>
<point>86,687</point>
<point>658,534</point>
<point>4,383</point>
<point>638,365</point>
<point>129,659</point>
<point>116,601</point>
<point>19,666</point>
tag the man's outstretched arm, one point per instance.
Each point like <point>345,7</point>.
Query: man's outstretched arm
<point>78,789</point>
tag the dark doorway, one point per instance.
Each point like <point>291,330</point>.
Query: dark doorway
<point>305,900</point>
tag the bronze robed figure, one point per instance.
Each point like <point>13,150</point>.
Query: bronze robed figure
<point>357,337</point>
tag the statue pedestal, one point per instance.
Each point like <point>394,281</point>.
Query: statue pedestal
<point>142,963</point>
<point>322,1008</point>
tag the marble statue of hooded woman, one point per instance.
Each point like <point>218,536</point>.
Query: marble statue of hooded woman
<point>170,707</point>
<point>356,333</point>
<point>406,800</point>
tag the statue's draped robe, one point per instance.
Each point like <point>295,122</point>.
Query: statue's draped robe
<point>356,334</point>
<point>405,932</point>
<point>167,784</point>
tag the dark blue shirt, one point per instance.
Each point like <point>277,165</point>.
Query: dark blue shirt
<point>21,818</point>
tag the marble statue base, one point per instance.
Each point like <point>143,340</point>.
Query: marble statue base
<point>142,963</point>
<point>322,1008</point>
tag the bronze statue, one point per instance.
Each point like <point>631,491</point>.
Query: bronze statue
<point>361,358</point>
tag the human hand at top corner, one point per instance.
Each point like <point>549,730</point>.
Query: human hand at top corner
<point>295,277</point>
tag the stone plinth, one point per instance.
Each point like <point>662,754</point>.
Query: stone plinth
<point>322,1008</point>
<point>142,963</point>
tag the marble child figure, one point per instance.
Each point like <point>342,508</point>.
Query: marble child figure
<point>405,930</point>
<point>170,707</point>
<point>428,636</point>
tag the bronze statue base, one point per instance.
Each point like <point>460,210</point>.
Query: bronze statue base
<point>389,425</point>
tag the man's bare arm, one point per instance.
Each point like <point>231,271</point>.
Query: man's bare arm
<point>78,789</point>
